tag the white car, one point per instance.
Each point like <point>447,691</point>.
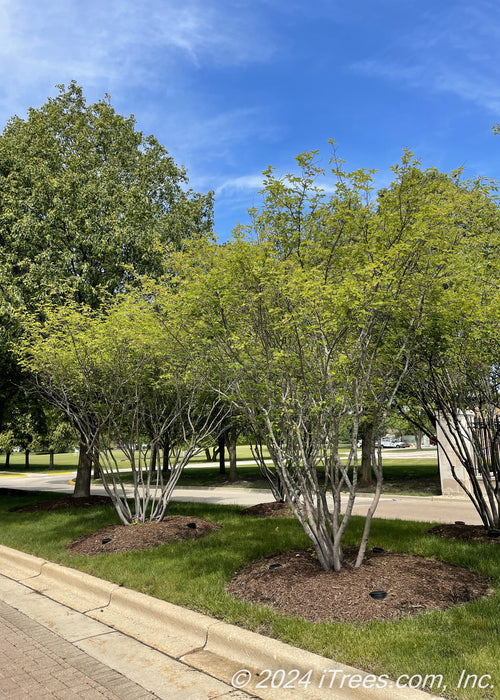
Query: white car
<point>393,443</point>
<point>388,443</point>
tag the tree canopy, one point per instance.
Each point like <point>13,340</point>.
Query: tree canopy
<point>87,202</point>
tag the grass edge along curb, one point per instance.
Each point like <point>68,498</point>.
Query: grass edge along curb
<point>178,632</point>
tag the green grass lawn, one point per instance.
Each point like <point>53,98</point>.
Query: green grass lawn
<point>65,461</point>
<point>194,574</point>
<point>419,477</point>
<point>68,460</point>
<point>243,453</point>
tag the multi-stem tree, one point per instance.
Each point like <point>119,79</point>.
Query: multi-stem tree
<point>312,314</point>
<point>120,380</point>
<point>455,378</point>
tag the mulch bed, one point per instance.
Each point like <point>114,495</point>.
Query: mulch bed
<point>294,584</point>
<point>65,502</point>
<point>122,538</point>
<point>269,510</point>
<point>471,533</point>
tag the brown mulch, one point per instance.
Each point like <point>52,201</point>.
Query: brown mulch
<point>121,538</point>
<point>268,510</point>
<point>65,502</point>
<point>471,533</point>
<point>295,584</point>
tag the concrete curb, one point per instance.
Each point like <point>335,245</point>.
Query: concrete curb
<point>202,642</point>
<point>76,589</point>
<point>174,630</point>
<point>18,565</point>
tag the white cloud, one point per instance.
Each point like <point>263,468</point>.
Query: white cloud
<point>247,184</point>
<point>212,138</point>
<point>482,88</point>
<point>157,47</point>
<point>119,43</point>
<point>243,183</point>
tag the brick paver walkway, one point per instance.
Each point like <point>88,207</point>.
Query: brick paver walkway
<point>37,663</point>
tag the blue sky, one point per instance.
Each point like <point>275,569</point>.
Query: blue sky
<point>231,86</point>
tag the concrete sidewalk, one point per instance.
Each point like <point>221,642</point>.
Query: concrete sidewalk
<point>50,650</point>
<point>441,509</point>
<point>37,663</point>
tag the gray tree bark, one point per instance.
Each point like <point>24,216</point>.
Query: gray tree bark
<point>83,473</point>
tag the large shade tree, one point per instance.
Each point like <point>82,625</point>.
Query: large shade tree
<point>87,203</point>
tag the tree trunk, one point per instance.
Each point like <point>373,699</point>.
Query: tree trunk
<point>83,474</point>
<point>366,454</point>
<point>51,459</point>
<point>232,436</point>
<point>26,458</point>
<point>212,456</point>
<point>418,439</point>
<point>222,463</point>
<point>154,457</point>
<point>368,520</point>
<point>7,460</point>
<point>96,464</point>
<point>165,469</point>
